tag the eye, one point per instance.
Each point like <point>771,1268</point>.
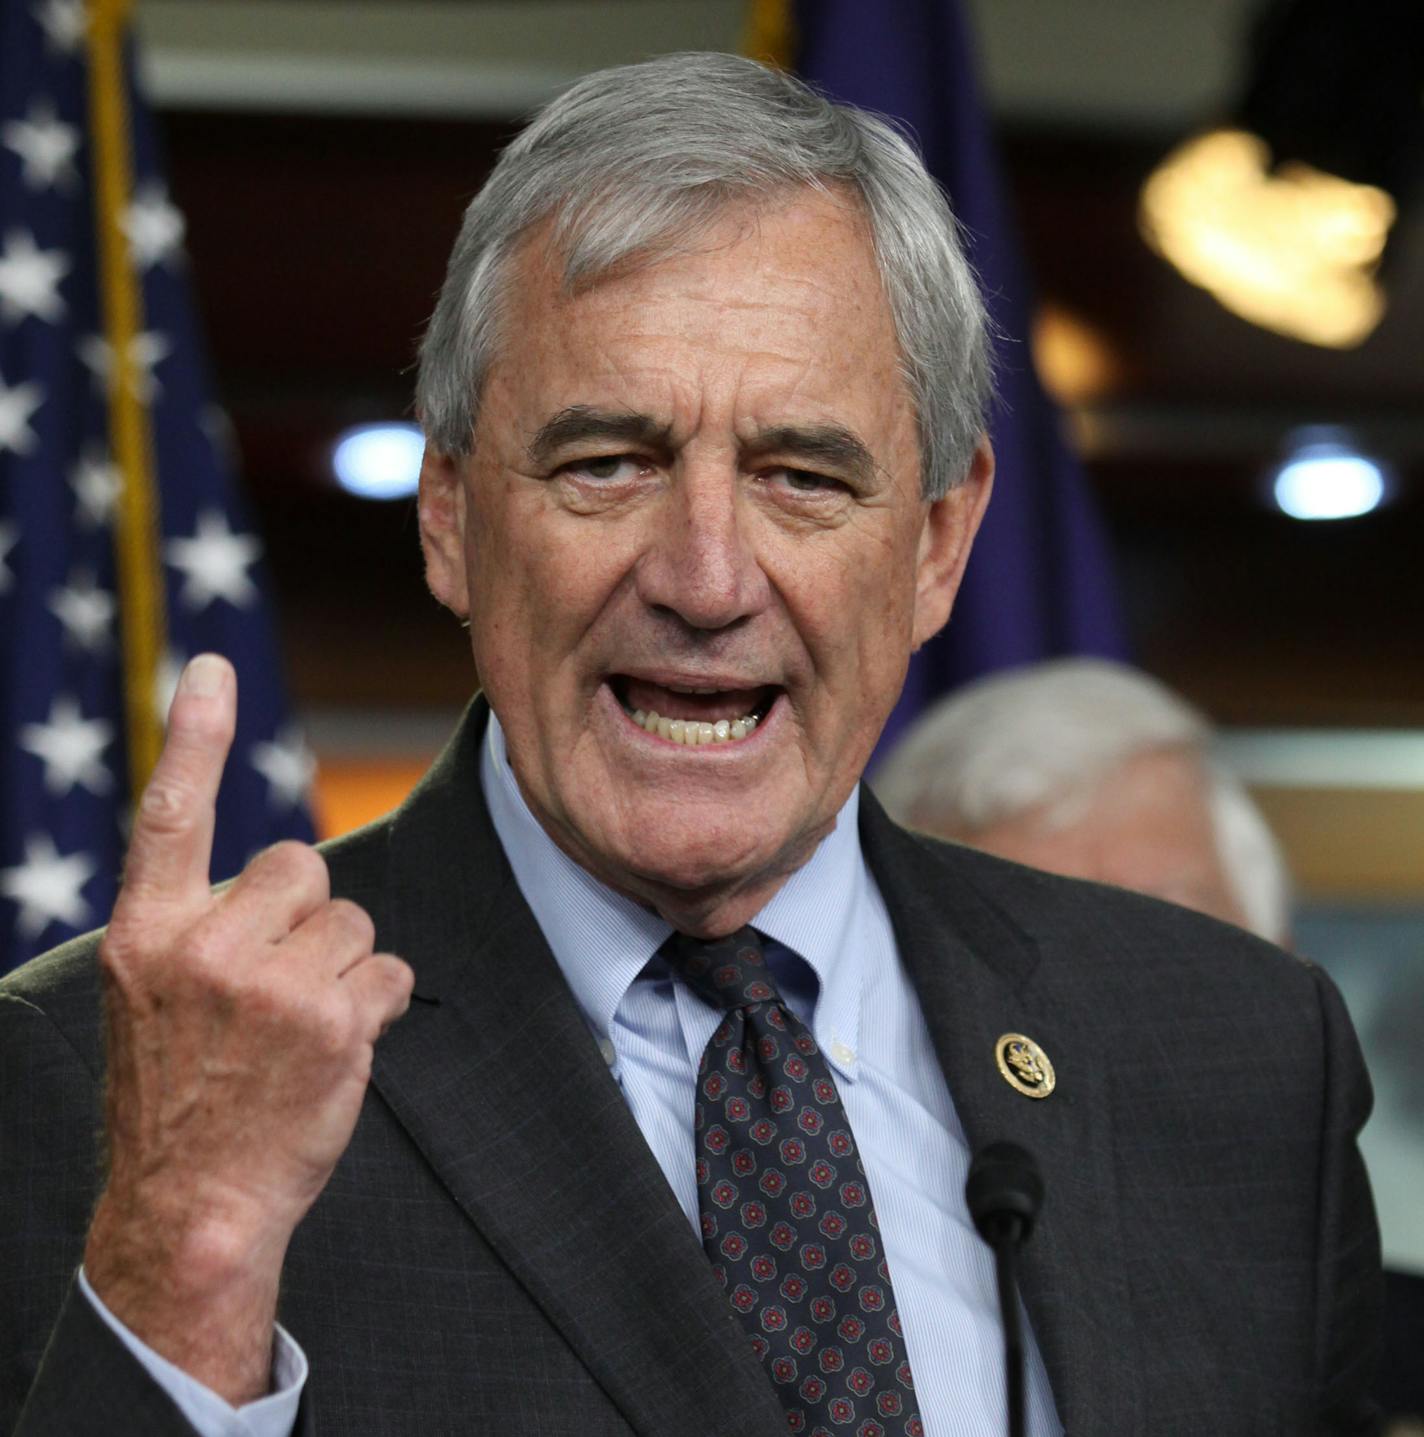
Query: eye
<point>606,468</point>
<point>806,481</point>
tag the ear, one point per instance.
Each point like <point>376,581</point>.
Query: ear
<point>945,540</point>
<point>442,529</point>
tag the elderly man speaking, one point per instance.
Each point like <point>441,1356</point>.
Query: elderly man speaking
<point>659,1123</point>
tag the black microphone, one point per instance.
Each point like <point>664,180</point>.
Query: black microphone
<point>1004,1192</point>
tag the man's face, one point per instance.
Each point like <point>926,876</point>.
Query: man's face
<point>695,492</point>
<point>1146,827</point>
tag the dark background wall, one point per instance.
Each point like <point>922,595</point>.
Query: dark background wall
<point>317,245</point>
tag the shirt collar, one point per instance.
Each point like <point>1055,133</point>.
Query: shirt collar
<point>813,914</point>
<point>602,940</point>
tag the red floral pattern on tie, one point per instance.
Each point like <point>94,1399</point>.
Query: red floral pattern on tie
<point>786,1212</point>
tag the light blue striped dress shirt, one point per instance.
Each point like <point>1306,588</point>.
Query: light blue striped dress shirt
<point>853,994</point>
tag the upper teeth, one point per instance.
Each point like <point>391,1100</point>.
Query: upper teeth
<point>690,731</point>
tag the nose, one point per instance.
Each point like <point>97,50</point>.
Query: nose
<point>700,564</point>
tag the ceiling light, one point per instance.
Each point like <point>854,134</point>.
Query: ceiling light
<point>1326,478</point>
<point>1285,212</point>
<point>379,461</point>
<point>1076,362</point>
<point>1294,250</point>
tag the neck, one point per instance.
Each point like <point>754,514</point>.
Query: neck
<point>708,905</point>
<point>712,910</point>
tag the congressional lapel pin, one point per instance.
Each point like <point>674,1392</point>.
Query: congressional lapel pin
<point>1024,1066</point>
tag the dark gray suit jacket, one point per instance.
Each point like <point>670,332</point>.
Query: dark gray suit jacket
<point>498,1250</point>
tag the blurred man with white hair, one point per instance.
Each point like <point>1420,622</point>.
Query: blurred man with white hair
<point>1092,770</point>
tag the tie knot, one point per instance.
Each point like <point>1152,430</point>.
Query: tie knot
<point>728,972</point>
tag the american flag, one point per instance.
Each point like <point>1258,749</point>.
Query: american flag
<point>109,445</point>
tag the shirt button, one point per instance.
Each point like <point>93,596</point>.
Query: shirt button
<point>842,1054</point>
<point>610,1053</point>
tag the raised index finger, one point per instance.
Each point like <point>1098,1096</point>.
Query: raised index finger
<point>170,852</point>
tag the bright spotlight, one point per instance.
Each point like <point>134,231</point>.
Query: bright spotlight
<point>1327,479</point>
<point>379,461</point>
<point>1289,248</point>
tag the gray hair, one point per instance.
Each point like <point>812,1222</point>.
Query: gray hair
<point>1050,733</point>
<point>631,161</point>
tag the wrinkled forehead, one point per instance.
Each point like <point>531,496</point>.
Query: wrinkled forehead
<point>804,257</point>
<point>590,244</point>
<point>764,315</point>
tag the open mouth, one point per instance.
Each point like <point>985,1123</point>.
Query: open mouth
<point>693,715</point>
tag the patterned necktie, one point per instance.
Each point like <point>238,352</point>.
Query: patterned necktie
<point>787,1219</point>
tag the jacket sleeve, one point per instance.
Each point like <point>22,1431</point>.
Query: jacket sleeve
<point>1349,1283</point>
<point>61,1368</point>
<point>88,1385</point>
<point>272,1415</point>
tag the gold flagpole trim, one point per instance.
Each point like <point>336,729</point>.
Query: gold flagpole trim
<point>140,575</point>
<point>770,33</point>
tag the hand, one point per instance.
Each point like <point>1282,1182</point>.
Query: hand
<point>241,1027</point>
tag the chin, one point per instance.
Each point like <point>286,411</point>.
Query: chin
<point>696,851</point>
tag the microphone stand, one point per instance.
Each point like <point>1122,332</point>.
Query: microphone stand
<point>1004,1193</point>
<point>1005,1251</point>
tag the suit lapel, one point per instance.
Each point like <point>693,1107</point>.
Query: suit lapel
<point>980,975</point>
<point>497,1079</point>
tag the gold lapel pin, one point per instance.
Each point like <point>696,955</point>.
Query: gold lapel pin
<point>1024,1066</point>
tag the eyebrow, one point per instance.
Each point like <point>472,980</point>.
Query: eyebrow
<point>580,423</point>
<point>830,445</point>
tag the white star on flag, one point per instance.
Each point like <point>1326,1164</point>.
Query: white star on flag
<point>214,563</point>
<point>64,23</point>
<point>16,407</point>
<point>47,888</point>
<point>97,485</point>
<point>46,147</point>
<point>70,746</point>
<point>288,766</point>
<point>9,537</point>
<point>153,225</point>
<point>145,351</point>
<point>85,610</point>
<point>29,279</point>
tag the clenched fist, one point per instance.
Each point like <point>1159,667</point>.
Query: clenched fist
<point>241,1027</point>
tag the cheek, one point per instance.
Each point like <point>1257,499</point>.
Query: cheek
<point>884,577</point>
<point>855,611</point>
<point>504,582</point>
<point>538,579</point>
